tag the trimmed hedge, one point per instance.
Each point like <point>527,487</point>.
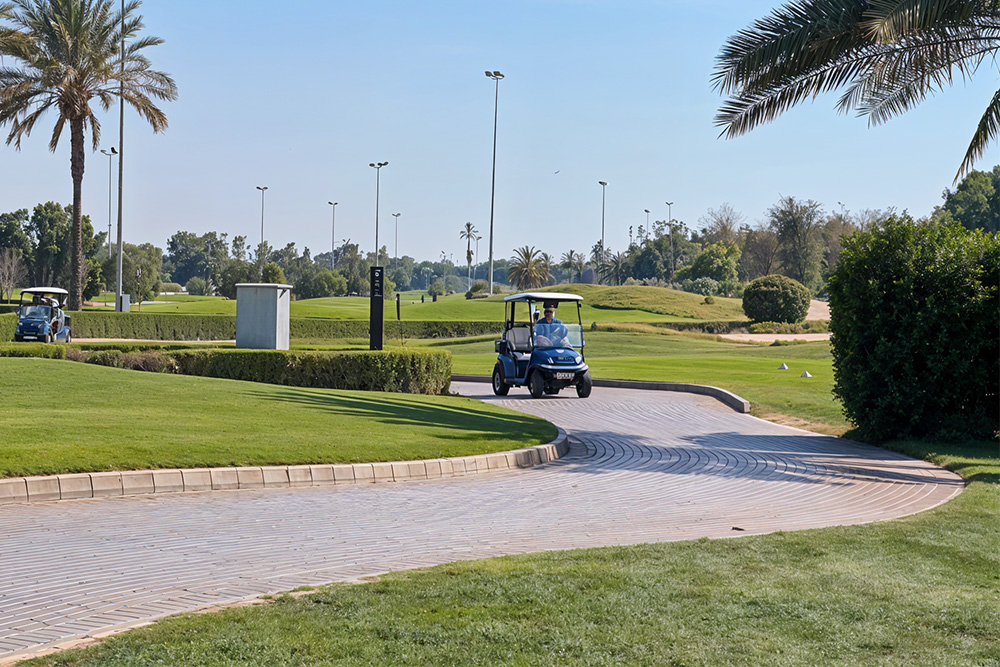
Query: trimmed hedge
<point>8,307</point>
<point>414,372</point>
<point>153,326</point>
<point>177,326</point>
<point>8,325</point>
<point>37,350</point>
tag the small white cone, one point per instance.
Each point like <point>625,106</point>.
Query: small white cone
<point>805,374</point>
<point>783,367</point>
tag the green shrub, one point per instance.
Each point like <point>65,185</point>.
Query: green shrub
<point>197,286</point>
<point>417,372</point>
<point>112,358</point>
<point>776,298</point>
<point>916,338</point>
<point>171,287</point>
<point>8,307</point>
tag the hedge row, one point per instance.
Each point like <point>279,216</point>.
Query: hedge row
<point>8,307</point>
<point>38,350</point>
<point>411,371</point>
<point>177,326</point>
<point>8,324</point>
<point>414,372</point>
<point>153,326</point>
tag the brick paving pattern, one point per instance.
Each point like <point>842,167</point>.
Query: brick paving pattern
<point>643,466</point>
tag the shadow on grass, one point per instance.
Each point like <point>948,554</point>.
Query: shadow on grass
<point>468,417</point>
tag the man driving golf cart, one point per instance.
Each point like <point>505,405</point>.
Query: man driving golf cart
<point>543,354</point>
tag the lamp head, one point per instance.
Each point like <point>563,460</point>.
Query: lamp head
<point>646,210</point>
<point>602,183</point>
<point>262,188</point>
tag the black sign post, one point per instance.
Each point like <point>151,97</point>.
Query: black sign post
<point>377,307</point>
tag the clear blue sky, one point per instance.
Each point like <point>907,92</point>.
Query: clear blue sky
<point>301,96</point>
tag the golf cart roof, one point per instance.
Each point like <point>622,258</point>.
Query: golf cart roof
<point>56,291</point>
<point>543,296</point>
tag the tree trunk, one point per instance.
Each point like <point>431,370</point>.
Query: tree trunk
<point>77,157</point>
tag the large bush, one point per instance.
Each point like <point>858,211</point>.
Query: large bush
<point>916,339</point>
<point>776,298</point>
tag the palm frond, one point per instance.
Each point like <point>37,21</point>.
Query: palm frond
<point>986,133</point>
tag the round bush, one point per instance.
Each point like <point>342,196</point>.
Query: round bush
<point>197,286</point>
<point>776,298</point>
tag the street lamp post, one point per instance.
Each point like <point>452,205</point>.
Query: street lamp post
<point>395,250</point>
<point>604,190</point>
<point>496,76</point>
<point>121,164</point>
<point>670,224</point>
<point>333,235</point>
<point>262,189</point>
<point>111,156</point>
<point>378,174</point>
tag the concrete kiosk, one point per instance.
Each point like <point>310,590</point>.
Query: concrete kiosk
<point>262,316</point>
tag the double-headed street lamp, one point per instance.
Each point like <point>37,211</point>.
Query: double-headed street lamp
<point>378,173</point>
<point>111,156</point>
<point>333,236</point>
<point>496,76</point>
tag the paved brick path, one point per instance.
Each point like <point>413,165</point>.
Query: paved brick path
<point>644,466</point>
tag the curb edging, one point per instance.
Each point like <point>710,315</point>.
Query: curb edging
<point>144,482</point>
<point>737,403</point>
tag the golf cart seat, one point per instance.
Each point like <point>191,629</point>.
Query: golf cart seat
<point>520,340</point>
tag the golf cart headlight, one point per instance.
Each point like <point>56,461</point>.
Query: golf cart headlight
<point>579,359</point>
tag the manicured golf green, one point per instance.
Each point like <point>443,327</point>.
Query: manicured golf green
<point>923,590</point>
<point>62,416</point>
<point>602,304</point>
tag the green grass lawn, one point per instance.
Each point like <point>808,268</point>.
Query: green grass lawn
<point>923,590</point>
<point>602,304</point>
<point>62,416</point>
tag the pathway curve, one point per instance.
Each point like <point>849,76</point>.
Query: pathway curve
<point>643,466</point>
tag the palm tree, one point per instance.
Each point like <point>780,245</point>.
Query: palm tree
<point>615,270</point>
<point>548,263</point>
<point>469,234</point>
<point>67,54</point>
<point>573,262</point>
<point>888,55</point>
<point>527,269</point>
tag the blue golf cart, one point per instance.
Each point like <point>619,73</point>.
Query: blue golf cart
<point>540,352</point>
<point>40,315</point>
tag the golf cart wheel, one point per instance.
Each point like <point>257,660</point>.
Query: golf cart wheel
<point>536,384</point>
<point>48,338</point>
<point>69,338</point>
<point>584,386</point>
<point>500,388</point>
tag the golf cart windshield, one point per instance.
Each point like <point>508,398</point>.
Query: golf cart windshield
<point>562,335</point>
<point>35,312</point>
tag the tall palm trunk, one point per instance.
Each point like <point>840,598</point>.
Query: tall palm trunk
<point>77,157</point>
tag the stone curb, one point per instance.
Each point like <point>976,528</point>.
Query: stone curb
<point>143,482</point>
<point>730,399</point>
